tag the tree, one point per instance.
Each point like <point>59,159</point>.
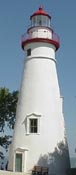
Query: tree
<point>8,102</point>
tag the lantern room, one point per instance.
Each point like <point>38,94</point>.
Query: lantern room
<point>40,30</point>
<point>40,18</point>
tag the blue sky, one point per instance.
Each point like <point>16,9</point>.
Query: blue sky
<point>14,20</point>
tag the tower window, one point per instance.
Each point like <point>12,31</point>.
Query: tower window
<point>28,52</point>
<point>33,125</point>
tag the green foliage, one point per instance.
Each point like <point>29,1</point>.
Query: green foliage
<point>4,141</point>
<point>3,107</point>
<point>8,102</point>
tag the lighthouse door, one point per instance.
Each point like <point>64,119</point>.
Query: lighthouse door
<point>18,162</point>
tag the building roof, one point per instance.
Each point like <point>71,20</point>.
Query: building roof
<point>40,11</point>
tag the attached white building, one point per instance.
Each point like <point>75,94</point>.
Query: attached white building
<point>39,135</point>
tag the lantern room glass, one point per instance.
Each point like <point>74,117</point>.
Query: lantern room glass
<point>40,20</point>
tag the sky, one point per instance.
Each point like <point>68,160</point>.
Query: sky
<point>14,21</point>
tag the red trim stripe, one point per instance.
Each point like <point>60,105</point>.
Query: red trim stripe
<point>50,41</point>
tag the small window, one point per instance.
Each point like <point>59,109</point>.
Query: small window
<point>28,52</point>
<point>33,125</point>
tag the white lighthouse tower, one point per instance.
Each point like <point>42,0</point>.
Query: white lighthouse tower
<point>39,138</point>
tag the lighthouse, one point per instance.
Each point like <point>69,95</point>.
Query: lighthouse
<point>39,138</point>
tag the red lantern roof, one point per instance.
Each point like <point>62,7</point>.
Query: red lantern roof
<point>40,11</point>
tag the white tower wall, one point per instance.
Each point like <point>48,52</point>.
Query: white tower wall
<point>40,99</point>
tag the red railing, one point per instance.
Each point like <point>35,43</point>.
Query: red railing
<point>56,38</point>
<point>28,37</point>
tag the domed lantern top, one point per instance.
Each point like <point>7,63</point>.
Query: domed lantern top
<point>40,30</point>
<point>40,18</point>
